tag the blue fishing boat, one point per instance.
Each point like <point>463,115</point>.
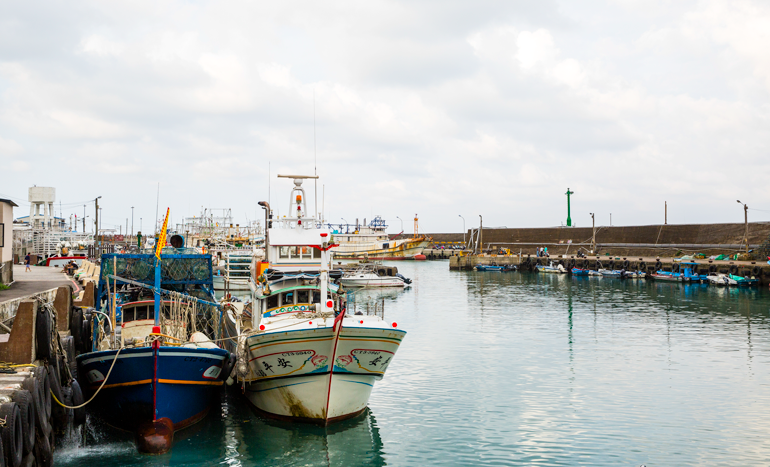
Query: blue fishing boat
<point>495,268</point>
<point>579,272</point>
<point>153,364</point>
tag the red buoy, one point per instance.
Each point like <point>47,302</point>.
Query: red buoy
<point>420,257</point>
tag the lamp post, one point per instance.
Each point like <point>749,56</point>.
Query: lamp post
<point>746,222</point>
<point>402,223</point>
<point>96,224</point>
<point>481,232</point>
<point>569,219</point>
<point>132,221</point>
<point>593,237</point>
<point>347,229</point>
<point>461,217</point>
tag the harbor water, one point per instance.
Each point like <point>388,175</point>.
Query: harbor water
<point>522,369</point>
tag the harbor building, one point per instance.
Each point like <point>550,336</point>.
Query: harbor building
<point>6,240</point>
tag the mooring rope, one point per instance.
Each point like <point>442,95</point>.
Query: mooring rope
<point>97,391</point>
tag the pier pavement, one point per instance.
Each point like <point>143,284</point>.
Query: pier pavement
<point>38,279</point>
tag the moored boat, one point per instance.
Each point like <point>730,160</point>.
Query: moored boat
<point>495,267</point>
<point>301,356</point>
<point>372,242</point>
<point>579,272</point>
<point>153,366</point>
<point>552,268</point>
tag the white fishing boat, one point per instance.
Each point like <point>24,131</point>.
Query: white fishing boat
<point>301,355</point>
<point>716,278</point>
<point>235,269</point>
<point>372,242</point>
<point>552,268</point>
<point>370,279</point>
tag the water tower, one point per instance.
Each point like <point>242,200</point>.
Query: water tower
<point>45,197</point>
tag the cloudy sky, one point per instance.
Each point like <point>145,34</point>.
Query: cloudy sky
<point>441,108</point>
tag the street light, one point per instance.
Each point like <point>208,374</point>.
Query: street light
<point>347,229</point>
<point>593,237</point>
<point>402,223</point>
<point>132,221</point>
<point>461,217</point>
<point>746,222</point>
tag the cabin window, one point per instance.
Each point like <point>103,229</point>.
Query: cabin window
<point>304,252</point>
<point>293,251</point>
<point>128,314</point>
<point>283,252</point>
<point>287,298</point>
<point>316,296</point>
<point>303,296</point>
<point>141,312</point>
<point>316,253</point>
<point>272,302</point>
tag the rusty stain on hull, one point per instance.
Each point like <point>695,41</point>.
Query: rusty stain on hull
<point>296,408</point>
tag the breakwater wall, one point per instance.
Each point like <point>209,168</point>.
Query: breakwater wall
<point>644,240</point>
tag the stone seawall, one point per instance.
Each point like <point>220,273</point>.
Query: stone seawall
<point>644,240</point>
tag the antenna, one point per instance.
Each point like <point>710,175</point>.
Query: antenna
<point>268,182</point>
<point>315,161</point>
<point>157,201</point>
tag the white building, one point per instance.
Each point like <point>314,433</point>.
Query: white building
<point>6,240</point>
<point>41,196</point>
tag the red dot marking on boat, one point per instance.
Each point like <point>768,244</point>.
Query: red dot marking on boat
<point>329,304</point>
<point>261,327</point>
<point>310,322</point>
<point>394,325</point>
<point>362,321</point>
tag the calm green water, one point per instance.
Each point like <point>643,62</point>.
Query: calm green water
<point>525,369</point>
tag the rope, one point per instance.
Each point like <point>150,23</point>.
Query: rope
<point>97,391</point>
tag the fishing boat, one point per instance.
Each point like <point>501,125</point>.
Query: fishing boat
<point>635,275</point>
<point>495,267</point>
<point>152,363</point>
<point>719,279</point>
<point>579,272</point>
<point>235,270</point>
<point>611,273</point>
<point>593,273</point>
<point>372,242</point>
<point>302,355</point>
<point>552,268</point>
<point>368,278</point>
<point>744,281</point>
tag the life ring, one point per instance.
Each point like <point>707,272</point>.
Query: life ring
<point>733,269</point>
<point>755,271</point>
<point>13,440</point>
<point>26,404</point>
<point>643,266</point>
<point>626,264</point>
<point>43,335</point>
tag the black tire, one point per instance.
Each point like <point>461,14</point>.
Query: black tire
<point>43,450</point>
<point>13,443</point>
<point>76,325</point>
<point>58,413</point>
<point>43,335</point>
<point>26,404</point>
<point>712,268</point>
<point>675,267</point>
<point>611,265</point>
<point>643,266</point>
<point>28,460</point>
<point>537,263</point>
<point>598,265</point>
<point>34,386</point>
<point>44,391</point>
<point>77,399</point>
<point>755,271</point>
<point>85,336</point>
<point>733,269</point>
<point>227,367</point>
<point>658,265</point>
<point>626,264</point>
<point>68,343</point>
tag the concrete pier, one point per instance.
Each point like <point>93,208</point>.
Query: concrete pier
<point>648,264</point>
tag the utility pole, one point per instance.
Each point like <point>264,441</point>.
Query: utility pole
<point>132,221</point>
<point>96,223</point>
<point>84,218</point>
<point>746,222</point>
<point>481,231</point>
<point>665,218</point>
<point>593,237</point>
<point>569,219</point>
<point>610,219</point>
<point>461,217</point>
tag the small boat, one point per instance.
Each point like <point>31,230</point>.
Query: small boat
<point>635,275</point>
<point>611,273</point>
<point>666,276</point>
<point>552,268</point>
<point>370,279</point>
<point>593,273</point>
<point>495,267</point>
<point>580,272</point>
<point>720,279</point>
<point>744,281</point>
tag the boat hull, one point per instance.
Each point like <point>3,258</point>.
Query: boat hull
<point>406,250</point>
<point>291,376</point>
<point>380,282</point>
<point>135,394</point>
